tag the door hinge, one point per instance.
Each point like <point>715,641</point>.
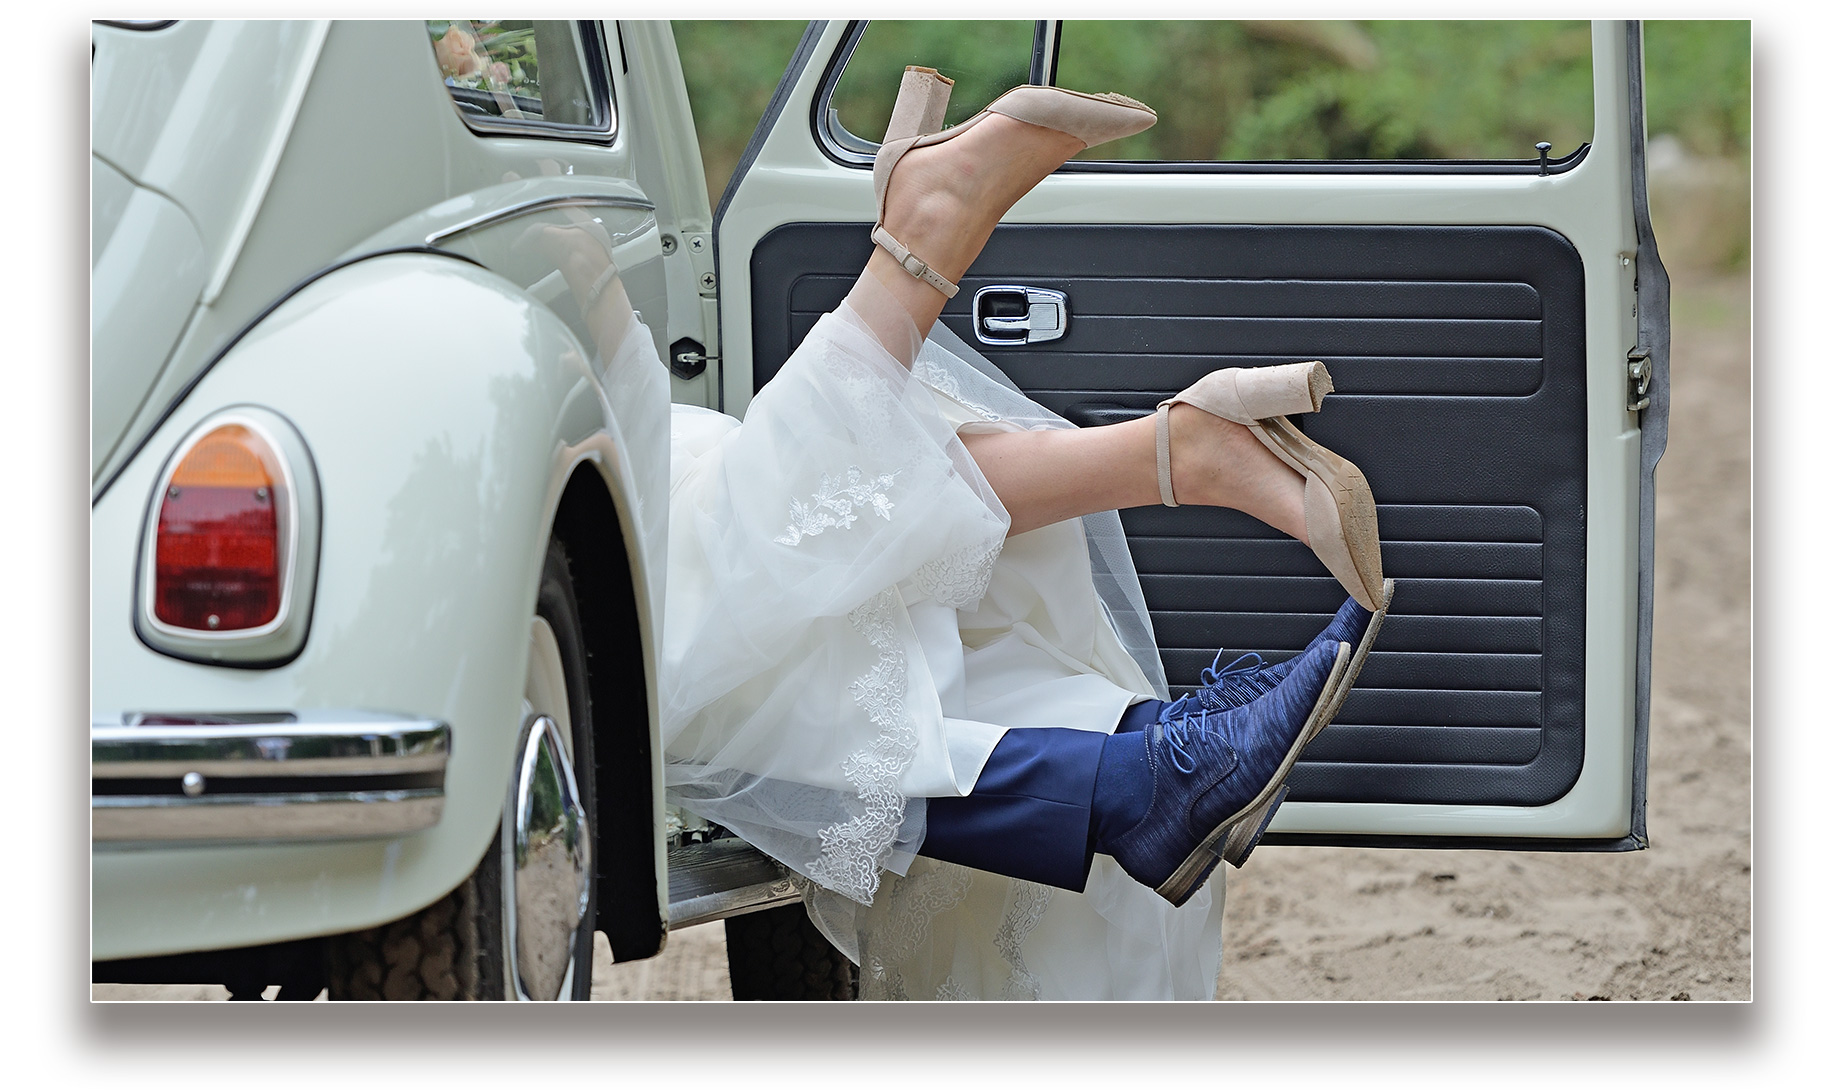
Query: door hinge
<point>1637,379</point>
<point>701,254</point>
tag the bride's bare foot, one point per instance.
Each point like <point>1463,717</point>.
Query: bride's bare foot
<point>1220,463</point>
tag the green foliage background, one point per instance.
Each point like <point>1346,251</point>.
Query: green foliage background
<point>1262,90</point>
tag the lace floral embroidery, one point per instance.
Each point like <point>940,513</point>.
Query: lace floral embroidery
<point>959,579</point>
<point>952,991</point>
<point>1028,902</point>
<point>933,374</point>
<point>837,503</point>
<point>911,905</point>
<point>852,852</point>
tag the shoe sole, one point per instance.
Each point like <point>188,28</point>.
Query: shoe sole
<point>1242,850</point>
<point>1245,826</point>
<point>1359,653</point>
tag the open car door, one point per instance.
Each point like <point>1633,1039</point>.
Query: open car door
<point>1497,330</point>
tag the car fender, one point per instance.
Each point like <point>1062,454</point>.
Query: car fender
<point>446,413</point>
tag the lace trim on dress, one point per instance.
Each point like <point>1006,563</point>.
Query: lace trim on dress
<point>952,991</point>
<point>852,852</point>
<point>914,901</point>
<point>933,374</point>
<point>1028,902</point>
<point>836,504</point>
<point>960,578</point>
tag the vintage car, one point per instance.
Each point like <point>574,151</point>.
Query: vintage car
<point>387,319</point>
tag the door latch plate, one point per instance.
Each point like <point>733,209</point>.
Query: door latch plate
<point>1011,314</point>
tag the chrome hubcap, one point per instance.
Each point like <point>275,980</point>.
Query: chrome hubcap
<point>546,837</point>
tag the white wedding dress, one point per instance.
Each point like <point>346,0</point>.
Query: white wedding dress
<point>849,632</point>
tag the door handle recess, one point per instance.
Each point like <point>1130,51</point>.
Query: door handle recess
<point>1007,314</point>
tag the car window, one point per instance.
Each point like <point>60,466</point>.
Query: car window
<point>983,58</point>
<point>1248,90</point>
<point>524,75</point>
<point>1320,94</point>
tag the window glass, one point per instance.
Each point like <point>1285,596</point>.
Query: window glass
<point>1276,90</point>
<point>983,58</point>
<point>509,70</point>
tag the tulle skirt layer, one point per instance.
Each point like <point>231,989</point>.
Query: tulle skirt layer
<point>849,632</point>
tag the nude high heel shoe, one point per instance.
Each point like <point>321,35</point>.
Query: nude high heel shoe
<point>1340,512</point>
<point>921,106</point>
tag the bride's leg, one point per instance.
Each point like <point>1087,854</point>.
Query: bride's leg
<point>944,202</point>
<point>1046,476</point>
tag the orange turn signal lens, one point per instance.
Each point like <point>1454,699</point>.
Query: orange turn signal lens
<point>230,456</point>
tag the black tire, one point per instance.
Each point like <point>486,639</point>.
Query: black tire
<point>779,954</point>
<point>455,948</point>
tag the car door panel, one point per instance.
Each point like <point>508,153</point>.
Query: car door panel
<point>1476,326</point>
<point>1473,692</point>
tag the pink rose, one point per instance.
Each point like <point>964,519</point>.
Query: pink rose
<point>454,51</point>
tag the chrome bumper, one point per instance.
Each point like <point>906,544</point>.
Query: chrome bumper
<point>161,780</point>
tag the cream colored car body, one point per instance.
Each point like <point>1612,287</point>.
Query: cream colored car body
<point>445,405</point>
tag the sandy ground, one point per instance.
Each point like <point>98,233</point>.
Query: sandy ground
<point>1673,922</point>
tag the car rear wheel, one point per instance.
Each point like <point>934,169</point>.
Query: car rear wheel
<point>778,954</point>
<point>522,926</point>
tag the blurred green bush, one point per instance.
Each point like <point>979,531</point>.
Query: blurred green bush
<point>1267,89</point>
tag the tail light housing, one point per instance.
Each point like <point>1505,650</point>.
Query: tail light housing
<point>231,545</point>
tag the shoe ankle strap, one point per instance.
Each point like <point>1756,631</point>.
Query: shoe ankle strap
<point>1165,493</point>
<point>913,265</point>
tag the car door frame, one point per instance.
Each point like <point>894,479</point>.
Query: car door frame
<point>788,176</point>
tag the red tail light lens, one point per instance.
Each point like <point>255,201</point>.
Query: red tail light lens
<point>218,546</point>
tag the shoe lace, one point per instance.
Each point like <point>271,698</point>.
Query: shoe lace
<point>1219,686</point>
<point>1187,731</point>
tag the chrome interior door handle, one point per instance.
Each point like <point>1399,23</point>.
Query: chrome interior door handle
<point>1009,314</point>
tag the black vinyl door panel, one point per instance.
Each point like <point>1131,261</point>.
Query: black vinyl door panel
<point>1458,354</point>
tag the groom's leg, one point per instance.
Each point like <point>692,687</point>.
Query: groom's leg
<point>1029,814</point>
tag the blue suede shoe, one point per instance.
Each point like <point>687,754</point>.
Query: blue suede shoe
<point>1217,777</point>
<point>1250,676</point>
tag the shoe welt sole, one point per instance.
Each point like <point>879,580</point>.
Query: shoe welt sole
<point>1358,654</point>
<point>1189,875</point>
<point>1237,849</point>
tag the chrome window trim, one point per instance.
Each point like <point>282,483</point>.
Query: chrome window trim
<point>282,638</point>
<point>594,48</point>
<point>538,204</point>
<point>848,149</point>
<point>136,24</point>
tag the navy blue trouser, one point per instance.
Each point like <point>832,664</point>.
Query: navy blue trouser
<point>1030,813</point>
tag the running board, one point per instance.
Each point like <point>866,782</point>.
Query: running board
<point>722,878</point>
